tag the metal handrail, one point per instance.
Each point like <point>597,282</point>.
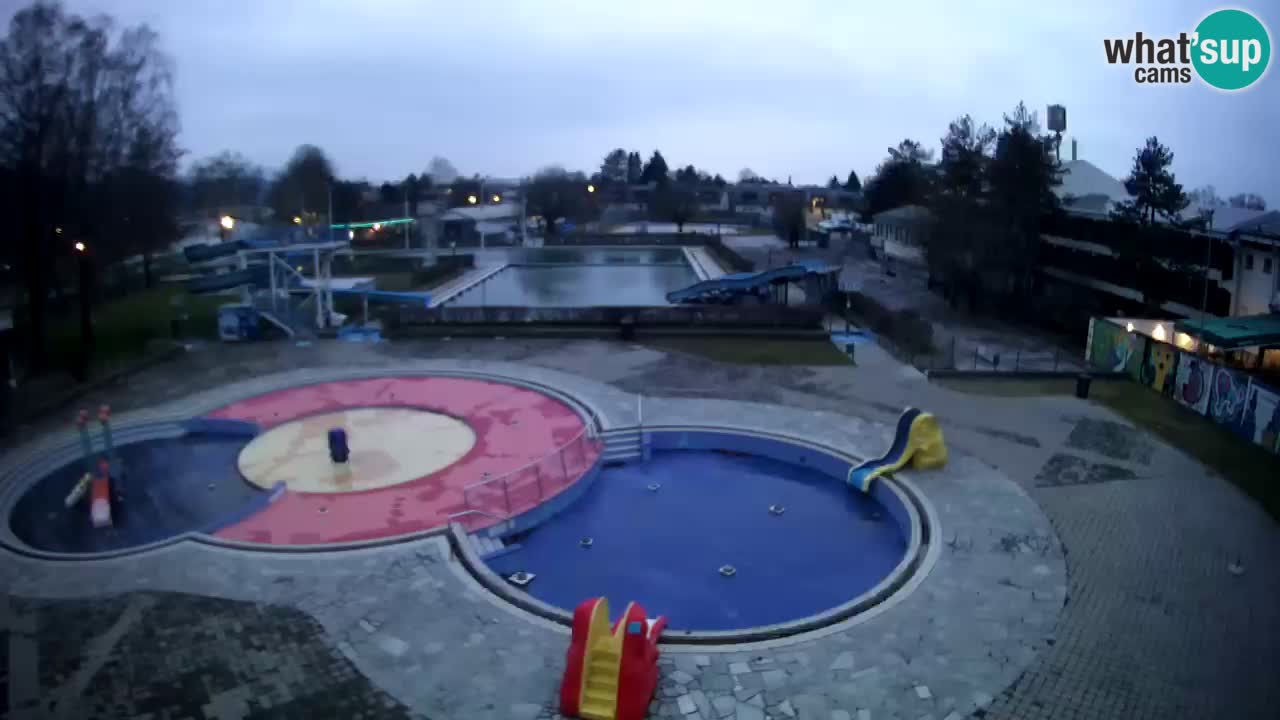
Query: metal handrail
<point>639,411</point>
<point>526,466</point>
<point>476,512</point>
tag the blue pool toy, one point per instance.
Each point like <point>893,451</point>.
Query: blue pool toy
<point>338,450</point>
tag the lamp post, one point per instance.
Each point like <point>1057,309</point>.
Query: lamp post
<point>85,271</point>
<point>1204,296</point>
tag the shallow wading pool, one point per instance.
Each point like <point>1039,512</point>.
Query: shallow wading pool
<point>717,540</point>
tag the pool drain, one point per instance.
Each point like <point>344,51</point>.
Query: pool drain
<point>323,510</point>
<point>654,487</point>
<point>586,542</point>
<point>521,579</point>
<point>728,570</point>
<point>776,509</point>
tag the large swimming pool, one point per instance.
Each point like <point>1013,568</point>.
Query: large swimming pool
<point>580,277</point>
<point>660,533</point>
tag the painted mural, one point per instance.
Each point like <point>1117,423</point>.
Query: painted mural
<point>1113,349</point>
<point>1160,368</point>
<point>1227,396</point>
<point>1260,420</point>
<point>1192,385</point>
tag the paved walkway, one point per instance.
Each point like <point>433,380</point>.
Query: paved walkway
<point>1154,625</point>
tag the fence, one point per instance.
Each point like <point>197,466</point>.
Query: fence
<point>975,357</point>
<point>1228,396</point>
<point>504,496</point>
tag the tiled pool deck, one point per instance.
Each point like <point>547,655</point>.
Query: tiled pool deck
<point>1154,626</point>
<point>965,627</point>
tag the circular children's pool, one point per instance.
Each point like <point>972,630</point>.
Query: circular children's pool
<point>717,540</point>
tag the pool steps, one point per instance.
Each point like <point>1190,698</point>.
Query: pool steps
<point>485,547</point>
<point>622,445</point>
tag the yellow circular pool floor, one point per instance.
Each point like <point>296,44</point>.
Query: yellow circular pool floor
<point>389,446</point>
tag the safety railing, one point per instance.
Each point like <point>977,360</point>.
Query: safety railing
<point>504,496</point>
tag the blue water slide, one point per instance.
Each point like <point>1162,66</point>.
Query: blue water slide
<point>388,296</point>
<point>225,281</point>
<point>211,251</point>
<point>741,283</point>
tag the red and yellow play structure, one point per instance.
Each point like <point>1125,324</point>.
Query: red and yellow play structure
<point>611,672</point>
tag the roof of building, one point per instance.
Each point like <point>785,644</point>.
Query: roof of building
<point>1081,178</point>
<point>1232,333</point>
<point>906,213</point>
<point>480,213</point>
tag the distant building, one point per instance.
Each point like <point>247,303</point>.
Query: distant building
<point>482,225</point>
<point>901,233</point>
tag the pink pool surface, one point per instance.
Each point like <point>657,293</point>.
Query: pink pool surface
<point>536,441</point>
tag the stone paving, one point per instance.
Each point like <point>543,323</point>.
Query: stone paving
<point>1154,625</point>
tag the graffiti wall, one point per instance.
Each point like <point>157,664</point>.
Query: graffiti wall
<point>1113,349</point>
<point>1159,368</point>
<point>1227,396</point>
<point>1260,417</point>
<point>1191,387</point>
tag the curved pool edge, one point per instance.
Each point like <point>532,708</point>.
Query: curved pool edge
<point>906,576</point>
<point>30,462</point>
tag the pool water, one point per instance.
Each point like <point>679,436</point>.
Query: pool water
<point>664,548</point>
<point>173,486</point>
<point>581,277</point>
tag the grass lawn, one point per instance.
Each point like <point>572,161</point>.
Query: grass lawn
<point>1251,468</point>
<point>755,351</point>
<point>123,327</point>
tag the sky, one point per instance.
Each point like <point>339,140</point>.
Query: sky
<point>800,89</point>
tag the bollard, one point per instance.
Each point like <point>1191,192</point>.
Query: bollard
<point>1082,386</point>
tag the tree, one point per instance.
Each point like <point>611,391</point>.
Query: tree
<point>966,152</point>
<point>441,171</point>
<point>388,194</point>
<point>302,189</point>
<point>224,181</point>
<point>635,168</point>
<point>676,203</point>
<point>833,183</point>
<point>746,175</point>
<point>87,128</point>
<point>1206,197</point>
<point>1154,191</point>
<point>1251,201</point>
<point>902,179</point>
<point>689,175</point>
<point>957,242</point>
<point>719,181</point>
<point>613,171</point>
<point>788,217</point>
<point>1022,176</point>
<point>655,171</point>
<point>853,184</point>
<point>558,195</point>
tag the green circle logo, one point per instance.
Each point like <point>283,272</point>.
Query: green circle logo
<point>1232,48</point>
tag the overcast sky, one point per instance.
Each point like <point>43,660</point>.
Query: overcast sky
<point>795,88</point>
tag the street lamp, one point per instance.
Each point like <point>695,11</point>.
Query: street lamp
<point>591,188</point>
<point>80,247</point>
<point>377,227</point>
<point>297,220</point>
<point>471,199</point>
<point>497,198</point>
<point>227,222</point>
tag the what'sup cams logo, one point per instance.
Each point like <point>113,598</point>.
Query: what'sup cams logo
<point>1229,50</point>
